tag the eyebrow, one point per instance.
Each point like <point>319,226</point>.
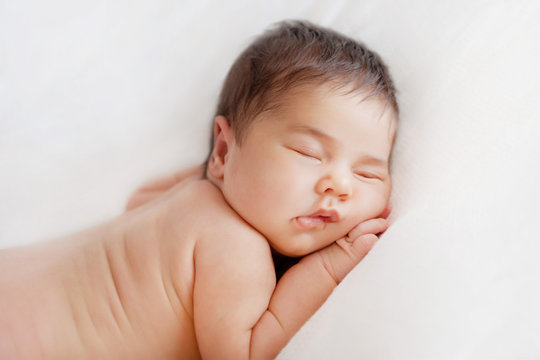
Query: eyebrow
<point>328,138</point>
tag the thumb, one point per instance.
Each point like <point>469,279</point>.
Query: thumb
<point>363,244</point>
<point>343,255</point>
<point>358,247</point>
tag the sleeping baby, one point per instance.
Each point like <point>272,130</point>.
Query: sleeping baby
<point>299,168</point>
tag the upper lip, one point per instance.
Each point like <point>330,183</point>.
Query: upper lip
<point>328,215</point>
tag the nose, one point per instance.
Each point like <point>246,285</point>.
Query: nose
<point>335,183</point>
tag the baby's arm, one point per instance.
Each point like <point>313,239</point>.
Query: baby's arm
<point>305,287</point>
<point>237,312</point>
<point>234,281</point>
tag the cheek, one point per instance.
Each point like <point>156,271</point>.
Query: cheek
<point>278,183</point>
<point>248,180</point>
<point>371,202</point>
<point>270,183</point>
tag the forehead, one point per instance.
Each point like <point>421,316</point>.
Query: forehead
<point>354,119</point>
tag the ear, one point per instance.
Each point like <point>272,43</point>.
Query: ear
<point>223,141</point>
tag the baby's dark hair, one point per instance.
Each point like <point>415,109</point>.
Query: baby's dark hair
<point>292,54</point>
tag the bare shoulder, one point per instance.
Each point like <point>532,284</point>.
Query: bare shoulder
<point>234,279</point>
<point>217,218</point>
<point>198,220</point>
<point>223,231</point>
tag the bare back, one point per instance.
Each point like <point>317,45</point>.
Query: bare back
<point>120,290</point>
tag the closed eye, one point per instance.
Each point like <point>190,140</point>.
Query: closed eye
<point>307,153</point>
<point>365,175</point>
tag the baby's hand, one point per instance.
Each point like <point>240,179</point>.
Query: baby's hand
<point>306,286</point>
<point>341,257</point>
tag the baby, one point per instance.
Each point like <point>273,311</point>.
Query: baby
<point>299,167</point>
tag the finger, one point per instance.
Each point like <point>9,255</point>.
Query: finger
<point>372,226</point>
<point>364,243</point>
<point>359,247</point>
<point>342,256</point>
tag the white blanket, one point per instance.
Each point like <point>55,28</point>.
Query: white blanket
<point>98,96</point>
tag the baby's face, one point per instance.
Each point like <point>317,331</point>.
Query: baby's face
<point>307,174</point>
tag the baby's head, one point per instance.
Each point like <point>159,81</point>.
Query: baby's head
<point>303,136</point>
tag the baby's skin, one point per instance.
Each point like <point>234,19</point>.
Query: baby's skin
<point>184,274</point>
<point>125,290</point>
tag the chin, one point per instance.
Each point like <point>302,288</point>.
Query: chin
<point>292,253</point>
<point>298,247</point>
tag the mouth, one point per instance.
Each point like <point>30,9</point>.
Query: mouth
<point>318,219</point>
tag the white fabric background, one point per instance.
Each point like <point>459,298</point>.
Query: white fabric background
<point>99,96</point>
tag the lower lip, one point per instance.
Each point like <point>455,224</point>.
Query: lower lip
<point>310,222</point>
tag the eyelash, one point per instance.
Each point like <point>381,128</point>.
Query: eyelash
<point>367,175</point>
<point>307,153</point>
